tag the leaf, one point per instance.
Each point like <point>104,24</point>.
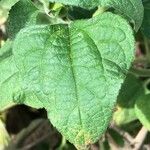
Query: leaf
<point>117,138</point>
<point>129,91</point>
<point>10,89</point>
<point>5,6</point>
<point>127,97</point>
<point>23,14</point>
<point>76,71</point>
<point>80,13</point>
<point>8,78</point>
<point>131,9</point>
<point>124,115</point>
<point>142,109</point>
<point>146,21</point>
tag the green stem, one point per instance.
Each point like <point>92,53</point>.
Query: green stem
<point>141,60</point>
<point>100,10</point>
<point>147,48</point>
<point>140,72</point>
<point>63,144</point>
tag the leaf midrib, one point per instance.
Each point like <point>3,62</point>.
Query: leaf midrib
<point>74,78</point>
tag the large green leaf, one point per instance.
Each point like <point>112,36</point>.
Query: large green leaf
<point>76,71</point>
<point>142,109</point>
<point>131,9</point>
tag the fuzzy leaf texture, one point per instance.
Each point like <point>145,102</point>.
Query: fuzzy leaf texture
<point>8,82</point>
<point>76,71</point>
<point>132,9</point>
<point>22,14</point>
<point>10,89</point>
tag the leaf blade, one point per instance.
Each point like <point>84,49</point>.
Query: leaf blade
<point>62,64</point>
<point>22,14</point>
<point>9,84</point>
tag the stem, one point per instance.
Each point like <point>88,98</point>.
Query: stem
<point>140,72</point>
<point>147,48</point>
<point>124,134</point>
<point>141,60</point>
<point>112,143</point>
<point>63,144</point>
<point>100,10</point>
<point>139,139</point>
<point>94,147</point>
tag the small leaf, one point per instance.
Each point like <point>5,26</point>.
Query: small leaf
<point>5,6</point>
<point>23,14</point>
<point>146,21</point>
<point>129,92</point>
<point>142,109</point>
<point>131,9</point>
<point>127,97</point>
<point>76,71</point>
<point>124,115</point>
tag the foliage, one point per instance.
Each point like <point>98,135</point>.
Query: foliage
<point>77,69</point>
